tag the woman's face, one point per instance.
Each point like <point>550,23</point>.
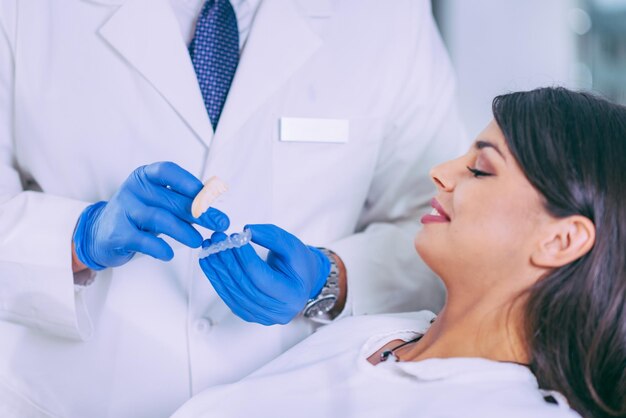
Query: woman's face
<point>486,218</point>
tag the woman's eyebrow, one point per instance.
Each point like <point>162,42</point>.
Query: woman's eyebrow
<point>480,144</point>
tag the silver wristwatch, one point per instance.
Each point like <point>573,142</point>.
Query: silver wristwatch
<point>318,308</point>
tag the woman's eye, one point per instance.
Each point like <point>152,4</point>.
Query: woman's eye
<point>478,173</point>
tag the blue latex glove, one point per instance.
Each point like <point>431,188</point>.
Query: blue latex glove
<point>271,292</point>
<point>154,199</point>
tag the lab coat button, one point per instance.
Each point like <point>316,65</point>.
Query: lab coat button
<point>203,325</point>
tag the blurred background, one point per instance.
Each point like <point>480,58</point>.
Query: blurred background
<point>498,46</point>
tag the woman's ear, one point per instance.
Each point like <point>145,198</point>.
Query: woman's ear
<point>566,240</point>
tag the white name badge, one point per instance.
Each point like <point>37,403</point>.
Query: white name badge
<point>314,130</point>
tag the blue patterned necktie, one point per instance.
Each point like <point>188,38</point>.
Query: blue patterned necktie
<point>214,53</point>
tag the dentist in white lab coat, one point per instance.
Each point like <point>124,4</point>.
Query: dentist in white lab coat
<point>92,89</point>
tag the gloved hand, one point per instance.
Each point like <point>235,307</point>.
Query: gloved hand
<point>154,199</point>
<point>271,292</point>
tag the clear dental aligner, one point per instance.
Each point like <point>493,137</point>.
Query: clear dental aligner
<point>235,241</point>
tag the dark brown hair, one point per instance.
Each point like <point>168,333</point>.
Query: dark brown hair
<point>572,148</point>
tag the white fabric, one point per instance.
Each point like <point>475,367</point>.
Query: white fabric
<point>187,12</point>
<point>328,375</point>
<point>92,89</point>
<point>18,401</point>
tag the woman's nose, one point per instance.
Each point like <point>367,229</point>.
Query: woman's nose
<point>442,176</point>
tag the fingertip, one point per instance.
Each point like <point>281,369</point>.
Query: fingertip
<point>218,236</point>
<point>195,241</point>
<point>206,243</point>
<point>216,219</point>
<point>167,255</point>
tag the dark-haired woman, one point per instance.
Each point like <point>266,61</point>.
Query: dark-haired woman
<point>528,233</point>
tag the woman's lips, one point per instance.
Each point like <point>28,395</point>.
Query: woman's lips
<point>437,215</point>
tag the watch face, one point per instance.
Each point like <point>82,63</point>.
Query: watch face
<point>325,305</point>
<point>321,306</point>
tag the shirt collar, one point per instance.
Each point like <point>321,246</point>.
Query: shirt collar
<point>463,368</point>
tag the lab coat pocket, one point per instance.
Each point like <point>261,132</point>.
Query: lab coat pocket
<point>323,169</point>
<point>314,130</point>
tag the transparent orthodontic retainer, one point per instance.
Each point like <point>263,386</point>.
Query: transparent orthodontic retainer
<point>234,241</point>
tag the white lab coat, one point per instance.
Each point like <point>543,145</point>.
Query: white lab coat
<point>92,89</point>
<point>328,375</point>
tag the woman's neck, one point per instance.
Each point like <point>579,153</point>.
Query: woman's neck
<point>473,328</point>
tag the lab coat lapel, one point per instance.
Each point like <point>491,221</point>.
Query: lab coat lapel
<point>147,35</point>
<point>280,41</point>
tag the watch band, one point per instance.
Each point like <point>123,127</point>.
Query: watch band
<point>317,309</point>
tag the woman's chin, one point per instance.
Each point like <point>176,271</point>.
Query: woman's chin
<point>425,241</point>
<point>424,250</point>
